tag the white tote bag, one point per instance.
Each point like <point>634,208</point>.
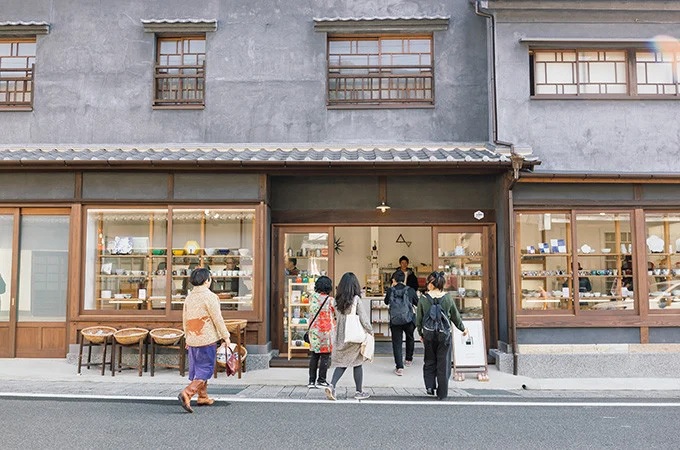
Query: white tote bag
<point>354,332</point>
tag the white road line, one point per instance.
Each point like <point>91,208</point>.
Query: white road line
<point>348,401</point>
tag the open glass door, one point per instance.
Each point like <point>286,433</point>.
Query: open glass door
<point>465,256</point>
<point>304,255</point>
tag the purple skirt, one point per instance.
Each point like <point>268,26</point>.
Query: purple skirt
<point>202,362</point>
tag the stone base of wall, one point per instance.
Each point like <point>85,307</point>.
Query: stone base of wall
<point>599,361</point>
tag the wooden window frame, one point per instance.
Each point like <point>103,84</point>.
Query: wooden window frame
<point>19,76</point>
<point>179,102</point>
<point>379,73</point>
<point>631,75</point>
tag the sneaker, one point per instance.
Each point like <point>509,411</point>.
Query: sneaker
<point>408,363</point>
<point>322,384</point>
<point>430,392</point>
<point>361,395</point>
<point>399,372</point>
<point>311,386</point>
<point>330,392</point>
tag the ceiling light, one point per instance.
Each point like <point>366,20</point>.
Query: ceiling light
<point>382,207</point>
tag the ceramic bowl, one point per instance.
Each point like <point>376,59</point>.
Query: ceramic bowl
<point>243,251</point>
<point>606,250</point>
<point>209,251</point>
<point>178,251</point>
<point>158,251</point>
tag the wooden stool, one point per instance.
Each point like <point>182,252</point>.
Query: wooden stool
<point>171,338</point>
<point>96,337</point>
<point>129,337</point>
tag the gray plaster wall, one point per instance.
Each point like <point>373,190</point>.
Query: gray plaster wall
<point>604,136</point>
<point>265,79</point>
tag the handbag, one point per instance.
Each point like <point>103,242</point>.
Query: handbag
<point>354,331</point>
<point>232,363</point>
<point>306,336</point>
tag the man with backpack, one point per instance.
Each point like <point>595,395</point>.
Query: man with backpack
<point>436,311</point>
<point>401,299</point>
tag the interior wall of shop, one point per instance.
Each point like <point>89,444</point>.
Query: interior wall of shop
<point>265,76</point>
<point>611,136</point>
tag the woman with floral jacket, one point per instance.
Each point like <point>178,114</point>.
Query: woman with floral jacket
<point>320,345</point>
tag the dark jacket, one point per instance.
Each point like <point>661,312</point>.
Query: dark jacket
<point>412,295</point>
<point>448,306</point>
<point>411,279</point>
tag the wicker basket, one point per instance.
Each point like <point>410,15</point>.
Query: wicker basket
<point>242,352</point>
<point>97,335</point>
<point>166,336</point>
<point>234,325</point>
<point>129,336</point>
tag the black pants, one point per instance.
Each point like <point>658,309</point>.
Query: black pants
<point>437,363</point>
<point>397,332</point>
<point>319,361</point>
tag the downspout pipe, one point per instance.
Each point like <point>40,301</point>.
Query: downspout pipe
<point>517,164</point>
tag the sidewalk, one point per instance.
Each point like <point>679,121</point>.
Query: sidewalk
<point>56,377</point>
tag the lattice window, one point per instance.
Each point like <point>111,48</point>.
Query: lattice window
<point>393,71</point>
<point>573,72</point>
<point>17,64</point>
<point>657,72</point>
<point>180,71</point>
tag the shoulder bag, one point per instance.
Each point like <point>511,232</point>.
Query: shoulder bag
<point>354,331</point>
<point>306,336</point>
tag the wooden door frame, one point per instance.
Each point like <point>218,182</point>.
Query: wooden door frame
<point>489,271</point>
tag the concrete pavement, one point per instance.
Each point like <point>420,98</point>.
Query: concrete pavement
<point>56,377</point>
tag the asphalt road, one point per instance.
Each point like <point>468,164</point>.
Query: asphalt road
<point>54,424</point>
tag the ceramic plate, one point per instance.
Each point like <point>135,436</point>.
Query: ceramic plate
<point>585,248</point>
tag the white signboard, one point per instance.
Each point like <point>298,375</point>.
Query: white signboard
<point>470,350</point>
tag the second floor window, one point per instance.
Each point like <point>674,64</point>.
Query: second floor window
<point>380,71</point>
<point>17,63</point>
<point>624,72</point>
<point>180,72</point>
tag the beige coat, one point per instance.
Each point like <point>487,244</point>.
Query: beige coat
<point>202,318</point>
<point>349,355</point>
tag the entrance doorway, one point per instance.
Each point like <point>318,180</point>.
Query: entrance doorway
<point>34,245</point>
<point>466,254</point>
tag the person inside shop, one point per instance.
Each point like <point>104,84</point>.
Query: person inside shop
<point>291,267</point>
<point>411,278</point>
<point>401,300</point>
<point>583,282</point>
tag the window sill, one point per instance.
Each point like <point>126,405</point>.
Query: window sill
<point>605,97</point>
<point>381,106</point>
<point>16,108</point>
<point>186,107</point>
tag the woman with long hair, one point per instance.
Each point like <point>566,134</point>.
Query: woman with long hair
<point>344,354</point>
<point>437,343</point>
<point>320,329</point>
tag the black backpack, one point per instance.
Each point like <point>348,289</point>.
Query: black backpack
<point>401,311</point>
<point>437,322</point>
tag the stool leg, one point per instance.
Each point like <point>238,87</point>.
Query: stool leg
<point>80,354</point>
<point>106,344</point>
<point>152,363</point>
<point>114,350</point>
<point>89,354</point>
<point>238,349</point>
<point>140,365</point>
<point>182,357</point>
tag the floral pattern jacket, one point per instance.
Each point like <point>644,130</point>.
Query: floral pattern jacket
<point>320,330</point>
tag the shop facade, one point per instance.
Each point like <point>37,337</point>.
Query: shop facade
<point>590,89</point>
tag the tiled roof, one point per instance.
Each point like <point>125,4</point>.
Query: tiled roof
<point>178,21</point>
<point>482,154</point>
<point>22,23</point>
